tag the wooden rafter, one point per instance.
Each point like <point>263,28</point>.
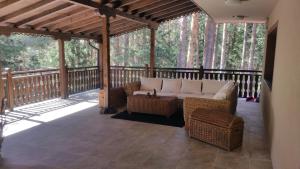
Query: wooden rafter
<point>167,7</point>
<point>7,3</point>
<point>173,11</point>
<point>111,11</point>
<point>73,20</point>
<point>61,18</point>
<point>6,31</point>
<point>43,14</point>
<point>54,16</point>
<point>24,10</point>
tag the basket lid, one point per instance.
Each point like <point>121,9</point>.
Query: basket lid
<point>217,118</point>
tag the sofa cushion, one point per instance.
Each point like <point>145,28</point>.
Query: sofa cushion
<point>149,84</point>
<point>142,92</point>
<point>171,85</point>
<point>212,86</point>
<point>166,94</point>
<point>225,91</point>
<point>184,95</point>
<point>191,86</point>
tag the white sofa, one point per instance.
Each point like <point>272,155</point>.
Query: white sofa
<point>183,88</point>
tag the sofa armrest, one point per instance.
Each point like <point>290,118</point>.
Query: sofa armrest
<point>191,104</point>
<point>132,87</point>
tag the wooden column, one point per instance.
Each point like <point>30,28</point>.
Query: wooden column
<point>1,89</point>
<point>10,92</point>
<point>63,74</point>
<point>100,64</point>
<point>106,62</point>
<point>152,52</point>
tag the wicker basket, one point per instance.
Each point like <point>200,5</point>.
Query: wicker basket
<point>220,129</point>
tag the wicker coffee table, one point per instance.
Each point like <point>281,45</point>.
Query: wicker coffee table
<point>158,105</point>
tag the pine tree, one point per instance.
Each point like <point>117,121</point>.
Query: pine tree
<point>252,48</point>
<point>181,58</point>
<point>210,37</point>
<point>193,51</point>
<point>224,47</point>
<point>244,47</point>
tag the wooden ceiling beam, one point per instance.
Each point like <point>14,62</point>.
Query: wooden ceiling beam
<point>141,4</point>
<point>167,7</point>
<point>51,16</point>
<point>111,11</point>
<point>130,29</point>
<point>114,23</point>
<point>175,15</point>
<point>157,5</point>
<point>173,11</point>
<point>44,14</point>
<point>7,3</point>
<point>128,2</point>
<point>61,18</point>
<point>24,10</point>
<point>73,20</point>
<point>80,24</point>
<point>86,27</point>
<point>6,30</point>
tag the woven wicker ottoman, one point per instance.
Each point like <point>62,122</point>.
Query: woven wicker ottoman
<point>158,105</point>
<point>217,128</point>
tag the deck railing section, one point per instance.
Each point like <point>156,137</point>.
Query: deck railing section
<point>121,75</point>
<point>83,79</point>
<point>249,81</point>
<point>25,87</point>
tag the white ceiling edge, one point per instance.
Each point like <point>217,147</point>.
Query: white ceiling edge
<point>257,11</point>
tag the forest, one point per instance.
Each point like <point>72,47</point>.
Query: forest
<point>185,42</point>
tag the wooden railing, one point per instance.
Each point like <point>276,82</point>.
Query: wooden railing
<point>83,79</point>
<point>25,87</point>
<point>248,81</point>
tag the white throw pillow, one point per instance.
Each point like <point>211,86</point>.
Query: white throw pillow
<point>149,84</point>
<point>171,85</point>
<point>191,86</point>
<point>212,86</point>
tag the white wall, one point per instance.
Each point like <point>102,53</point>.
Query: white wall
<point>281,106</point>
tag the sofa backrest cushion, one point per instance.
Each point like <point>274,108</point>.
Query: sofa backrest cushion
<point>224,92</point>
<point>212,86</point>
<point>171,85</point>
<point>191,86</point>
<point>149,84</point>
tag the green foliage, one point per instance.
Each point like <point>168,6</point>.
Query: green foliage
<point>22,52</point>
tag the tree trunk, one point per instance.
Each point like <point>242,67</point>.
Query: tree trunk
<point>126,49</point>
<point>252,48</point>
<point>213,59</point>
<point>193,51</point>
<point>181,58</point>
<point>1,89</point>
<point>224,47</point>
<point>210,37</point>
<point>244,47</point>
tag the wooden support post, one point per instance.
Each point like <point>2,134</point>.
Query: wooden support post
<point>152,52</point>
<point>106,63</point>
<point>10,91</point>
<point>146,70</point>
<point>2,95</point>
<point>100,65</point>
<point>63,72</point>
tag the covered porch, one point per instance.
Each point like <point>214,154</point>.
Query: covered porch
<point>70,133</point>
<point>53,118</point>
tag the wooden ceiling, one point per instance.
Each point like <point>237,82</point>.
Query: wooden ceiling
<point>82,18</point>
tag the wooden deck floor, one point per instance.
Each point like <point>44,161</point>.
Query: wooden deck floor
<point>71,134</point>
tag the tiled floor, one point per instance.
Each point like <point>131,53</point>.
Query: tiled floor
<point>88,140</point>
